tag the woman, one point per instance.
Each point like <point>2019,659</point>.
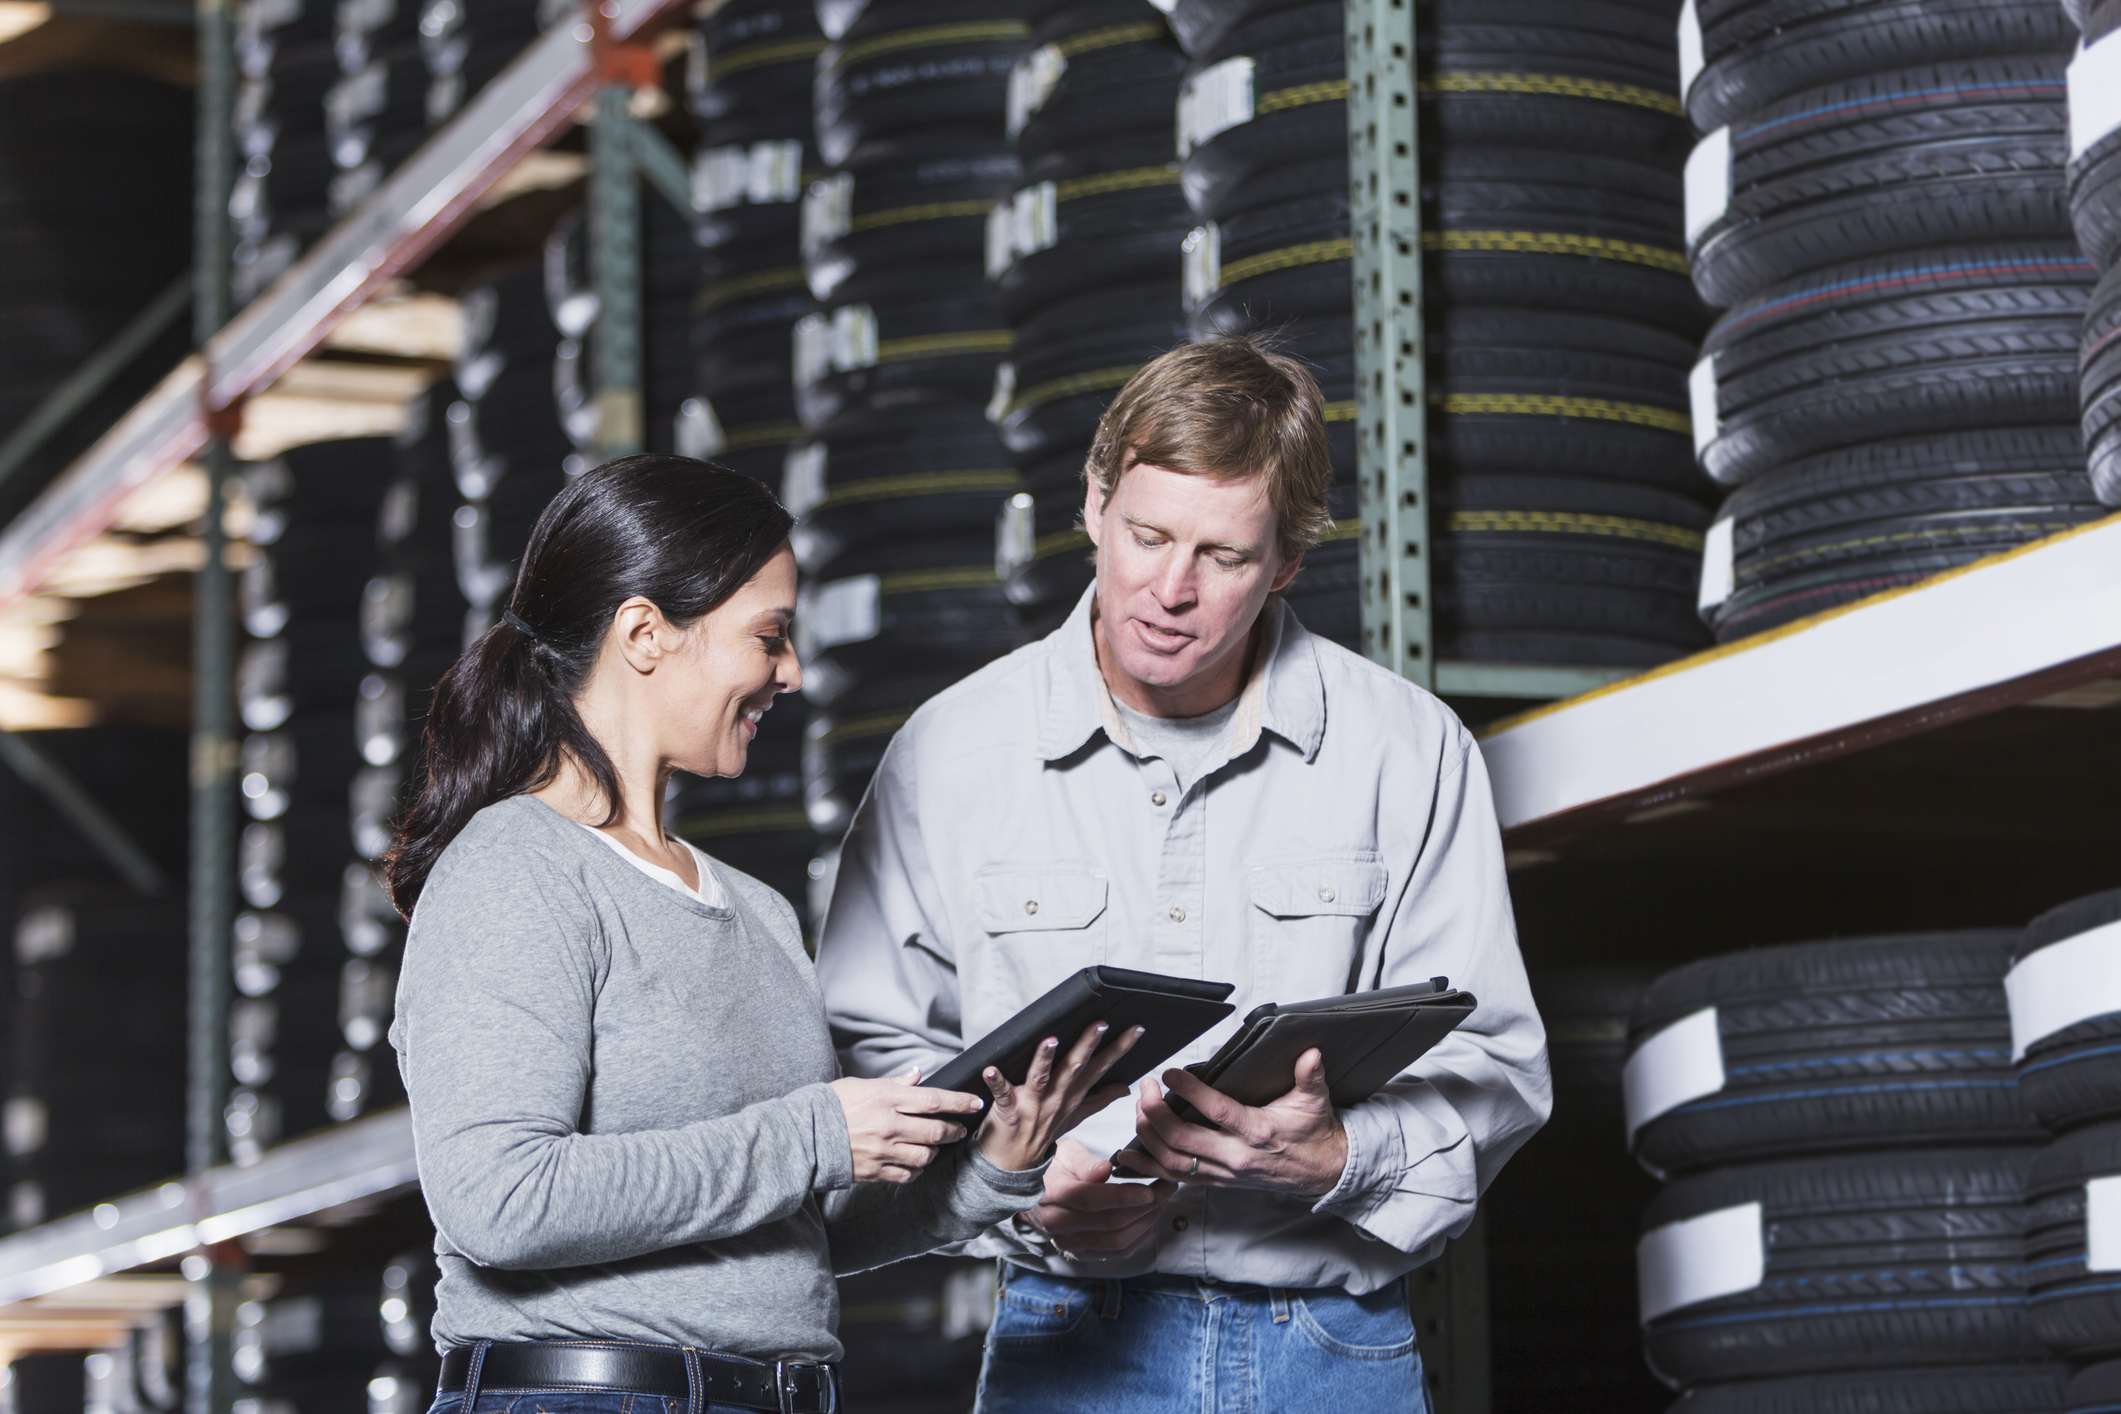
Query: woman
<point>642,1168</point>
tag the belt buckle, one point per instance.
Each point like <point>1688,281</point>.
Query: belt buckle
<point>784,1386</point>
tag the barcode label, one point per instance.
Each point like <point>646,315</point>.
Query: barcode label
<point>827,212</point>
<point>1031,83</point>
<point>1202,264</point>
<point>803,478</point>
<point>844,611</point>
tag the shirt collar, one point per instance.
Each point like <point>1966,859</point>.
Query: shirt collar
<point>1285,693</point>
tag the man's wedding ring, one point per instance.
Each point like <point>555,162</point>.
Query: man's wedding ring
<point>1194,1172</point>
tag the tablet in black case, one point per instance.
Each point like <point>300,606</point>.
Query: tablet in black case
<point>1365,1039</point>
<point>1172,1010</point>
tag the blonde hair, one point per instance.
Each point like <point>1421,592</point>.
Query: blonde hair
<point>1227,407</point>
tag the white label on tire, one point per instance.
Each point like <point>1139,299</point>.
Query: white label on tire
<point>1701,398</point>
<point>1213,101</point>
<point>827,212</point>
<point>1034,218</point>
<point>2071,981</point>
<point>844,611</point>
<point>1003,397</point>
<point>1719,575</point>
<point>1690,61</point>
<point>813,349</point>
<point>853,338</point>
<point>1699,1259</point>
<point>719,178</point>
<point>803,478</point>
<point>1015,535</point>
<point>698,431</point>
<point>1201,264</point>
<point>1680,1063</point>
<point>2102,1224</point>
<point>1031,83</point>
<point>1001,239</point>
<point>2094,93</point>
<point>1708,183</point>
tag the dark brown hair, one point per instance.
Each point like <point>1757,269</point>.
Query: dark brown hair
<point>1226,407</point>
<point>682,534</point>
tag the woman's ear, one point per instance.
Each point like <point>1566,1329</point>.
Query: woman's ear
<point>641,635</point>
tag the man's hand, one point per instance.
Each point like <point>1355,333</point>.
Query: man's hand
<point>1294,1145</point>
<point>1089,1219</point>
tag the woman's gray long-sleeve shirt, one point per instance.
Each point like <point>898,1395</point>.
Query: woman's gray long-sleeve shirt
<point>621,1108</point>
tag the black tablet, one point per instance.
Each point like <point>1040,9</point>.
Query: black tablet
<point>1172,1010</point>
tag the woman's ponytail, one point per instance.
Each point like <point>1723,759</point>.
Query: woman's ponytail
<point>685,535</point>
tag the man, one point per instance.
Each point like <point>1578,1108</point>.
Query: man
<point>1182,780</point>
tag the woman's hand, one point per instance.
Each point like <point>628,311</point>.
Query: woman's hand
<point>1058,1092</point>
<point>892,1125</point>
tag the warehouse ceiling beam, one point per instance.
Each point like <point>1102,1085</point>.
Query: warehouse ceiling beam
<point>2015,627</point>
<point>365,1159</point>
<point>435,190</point>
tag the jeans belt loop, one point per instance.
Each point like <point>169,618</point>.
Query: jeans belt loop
<point>693,1402</point>
<point>472,1371</point>
<point>784,1385</point>
<point>1109,1306</point>
<point>1278,1299</point>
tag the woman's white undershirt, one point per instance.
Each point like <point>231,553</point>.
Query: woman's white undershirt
<point>710,890</point>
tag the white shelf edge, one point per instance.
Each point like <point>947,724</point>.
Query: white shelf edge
<point>419,205</point>
<point>362,1159</point>
<point>2006,629</point>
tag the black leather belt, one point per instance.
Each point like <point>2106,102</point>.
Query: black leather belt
<point>699,1377</point>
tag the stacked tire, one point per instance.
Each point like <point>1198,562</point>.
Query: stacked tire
<point>1567,519</point>
<point>749,93</point>
<point>2066,1041</point>
<point>899,477</point>
<point>1879,205</point>
<point>85,257</point>
<point>669,280</point>
<point>2095,212</point>
<point>95,1104</point>
<point>1847,1166</point>
<point>1084,253</point>
<point>1562,1215</point>
<point>304,783</point>
<point>375,116</point>
<point>403,1383</point>
<point>464,43</point>
<point>508,452</point>
<point>282,198</point>
<point>313,1345</point>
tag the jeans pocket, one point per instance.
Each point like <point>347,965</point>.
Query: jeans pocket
<point>1373,1327</point>
<point>1038,1310</point>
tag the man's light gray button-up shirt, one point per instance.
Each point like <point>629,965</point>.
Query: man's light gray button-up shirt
<point>1012,837</point>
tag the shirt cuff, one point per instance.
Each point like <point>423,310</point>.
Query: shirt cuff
<point>833,1169</point>
<point>1377,1156</point>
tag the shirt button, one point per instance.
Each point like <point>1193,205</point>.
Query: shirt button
<point>1157,798</point>
<point>1325,895</point>
<point>1179,1223</point>
<point>1178,915</point>
<point>1030,905</point>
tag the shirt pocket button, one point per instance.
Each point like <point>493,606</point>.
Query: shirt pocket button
<point>1325,895</point>
<point>1031,905</point>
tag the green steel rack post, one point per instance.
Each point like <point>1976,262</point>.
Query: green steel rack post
<point>210,1310</point>
<point>1449,1296</point>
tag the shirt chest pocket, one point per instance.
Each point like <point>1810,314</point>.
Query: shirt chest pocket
<point>1045,921</point>
<point>1310,918</point>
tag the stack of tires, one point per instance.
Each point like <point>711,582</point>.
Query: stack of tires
<point>1562,1216</point>
<point>1567,517</point>
<point>286,52</point>
<point>404,1383</point>
<point>1847,1164</point>
<point>1879,205</point>
<point>298,680</point>
<point>95,1104</point>
<point>313,1345</point>
<point>464,43</point>
<point>2065,1021</point>
<point>142,1375</point>
<point>376,114</point>
<point>508,453</point>
<point>670,278</point>
<point>749,91</point>
<point>898,481</point>
<point>1084,254</point>
<point>2095,211</point>
<point>85,257</point>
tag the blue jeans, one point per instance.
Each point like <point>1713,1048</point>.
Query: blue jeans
<point>572,1401</point>
<point>1148,1345</point>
